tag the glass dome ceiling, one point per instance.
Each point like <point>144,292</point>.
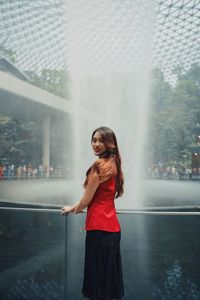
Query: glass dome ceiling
<point>176,35</point>
<point>100,35</point>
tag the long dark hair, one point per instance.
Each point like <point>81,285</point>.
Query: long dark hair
<point>112,150</point>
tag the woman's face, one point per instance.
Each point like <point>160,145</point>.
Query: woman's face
<point>98,145</point>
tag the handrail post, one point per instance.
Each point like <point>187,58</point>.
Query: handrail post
<point>65,261</point>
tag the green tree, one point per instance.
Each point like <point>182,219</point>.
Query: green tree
<point>8,53</point>
<point>54,81</point>
<point>19,141</point>
<point>175,111</point>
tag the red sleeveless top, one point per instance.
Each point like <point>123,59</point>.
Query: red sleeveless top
<point>101,212</point>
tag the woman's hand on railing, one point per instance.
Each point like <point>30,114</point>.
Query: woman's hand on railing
<point>67,209</point>
<point>70,209</point>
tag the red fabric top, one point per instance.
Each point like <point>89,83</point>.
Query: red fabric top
<point>101,213</point>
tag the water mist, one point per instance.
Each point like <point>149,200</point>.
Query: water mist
<point>109,52</point>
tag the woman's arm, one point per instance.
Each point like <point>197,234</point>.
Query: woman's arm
<point>87,197</point>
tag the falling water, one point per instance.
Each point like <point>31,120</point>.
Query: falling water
<point>109,52</point>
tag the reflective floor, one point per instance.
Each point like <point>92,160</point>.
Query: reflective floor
<point>42,255</point>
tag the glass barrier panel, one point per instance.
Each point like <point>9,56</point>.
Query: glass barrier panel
<point>32,245</point>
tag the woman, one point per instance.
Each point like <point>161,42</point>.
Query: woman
<point>104,182</point>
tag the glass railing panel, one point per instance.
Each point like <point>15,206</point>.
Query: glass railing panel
<point>32,245</point>
<point>160,255</point>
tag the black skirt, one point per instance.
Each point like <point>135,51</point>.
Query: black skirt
<point>103,278</point>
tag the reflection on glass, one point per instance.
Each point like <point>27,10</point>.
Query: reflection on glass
<point>32,255</point>
<point>160,255</point>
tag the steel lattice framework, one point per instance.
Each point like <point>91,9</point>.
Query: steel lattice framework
<point>100,34</point>
<point>34,30</point>
<point>177,35</point>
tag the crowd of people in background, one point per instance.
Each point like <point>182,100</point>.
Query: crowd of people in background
<point>28,171</point>
<point>156,170</point>
<point>160,170</point>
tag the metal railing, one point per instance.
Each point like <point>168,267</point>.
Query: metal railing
<point>134,212</point>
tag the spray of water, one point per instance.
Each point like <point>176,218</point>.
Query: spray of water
<point>109,52</point>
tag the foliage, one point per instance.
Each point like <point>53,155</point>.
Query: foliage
<point>19,141</point>
<point>8,53</point>
<point>175,113</point>
<point>54,81</point>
